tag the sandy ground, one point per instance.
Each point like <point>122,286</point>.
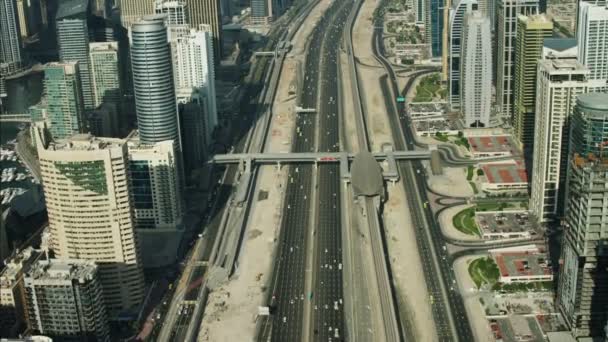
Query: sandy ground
<point>348,122</point>
<point>402,247</point>
<point>453,183</point>
<point>369,76</point>
<point>231,309</point>
<point>405,262</point>
<point>445,221</point>
<point>475,311</point>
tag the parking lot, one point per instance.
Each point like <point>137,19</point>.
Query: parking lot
<point>505,224</point>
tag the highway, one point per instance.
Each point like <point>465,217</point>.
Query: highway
<point>182,319</point>
<point>447,305</point>
<point>314,132</point>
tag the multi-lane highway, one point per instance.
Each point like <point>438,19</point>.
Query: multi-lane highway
<point>447,305</point>
<point>320,132</point>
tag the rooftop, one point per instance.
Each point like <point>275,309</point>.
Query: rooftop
<point>524,263</point>
<point>501,143</point>
<point>71,8</point>
<point>598,101</point>
<point>84,142</point>
<point>19,262</point>
<point>559,44</point>
<point>55,269</point>
<point>505,172</point>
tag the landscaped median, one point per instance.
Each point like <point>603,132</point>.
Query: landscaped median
<point>484,271</point>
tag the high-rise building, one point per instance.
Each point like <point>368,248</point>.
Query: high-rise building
<point>155,102</point>
<point>506,32</point>
<point>105,72</point>
<point>194,135</point>
<point>65,302</point>
<point>559,82</point>
<point>10,45</point>
<point>592,36</point>
<point>193,71</point>
<point>261,12</point>
<point>582,294</point>
<point>174,9</point>
<point>458,12</point>
<point>131,10</point>
<point>420,9</point>
<point>90,213</point>
<point>531,33</point>
<point>155,188</point>
<point>13,318</point>
<point>476,66</point>
<point>73,41</point>
<point>65,109</point>
<point>207,12</point>
<point>434,23</point>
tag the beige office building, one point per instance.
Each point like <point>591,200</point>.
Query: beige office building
<point>90,213</point>
<point>131,10</point>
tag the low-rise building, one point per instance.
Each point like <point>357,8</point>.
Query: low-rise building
<point>522,264</point>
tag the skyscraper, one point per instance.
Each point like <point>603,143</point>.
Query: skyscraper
<point>65,109</point>
<point>105,72</point>
<point>10,44</point>
<point>207,12</point>
<point>193,70</point>
<point>65,302</point>
<point>434,24</point>
<point>476,65</point>
<point>531,33</point>
<point>559,82</point>
<point>73,41</point>
<point>592,36</point>
<point>131,10</point>
<point>153,81</point>
<point>155,188</point>
<point>458,12</point>
<point>174,9</point>
<point>582,294</point>
<point>261,12</point>
<point>506,32</point>
<point>90,213</point>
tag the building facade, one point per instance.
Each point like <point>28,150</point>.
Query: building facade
<point>174,9</point>
<point>582,295</point>
<point>105,73</point>
<point>592,36</point>
<point>90,213</point>
<point>151,63</point>
<point>65,301</point>
<point>531,33</point>
<point>207,12</point>
<point>155,186</point>
<point>193,71</point>
<point>73,42</point>
<point>506,32</point>
<point>131,10</point>
<point>456,25</point>
<point>10,45</point>
<point>559,82</point>
<point>476,68</point>
<point>13,318</point>
<point>65,105</point>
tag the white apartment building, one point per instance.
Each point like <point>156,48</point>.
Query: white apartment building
<point>90,213</point>
<point>592,37</point>
<point>476,70</point>
<point>558,84</point>
<point>155,187</point>
<point>193,71</point>
<point>458,12</point>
